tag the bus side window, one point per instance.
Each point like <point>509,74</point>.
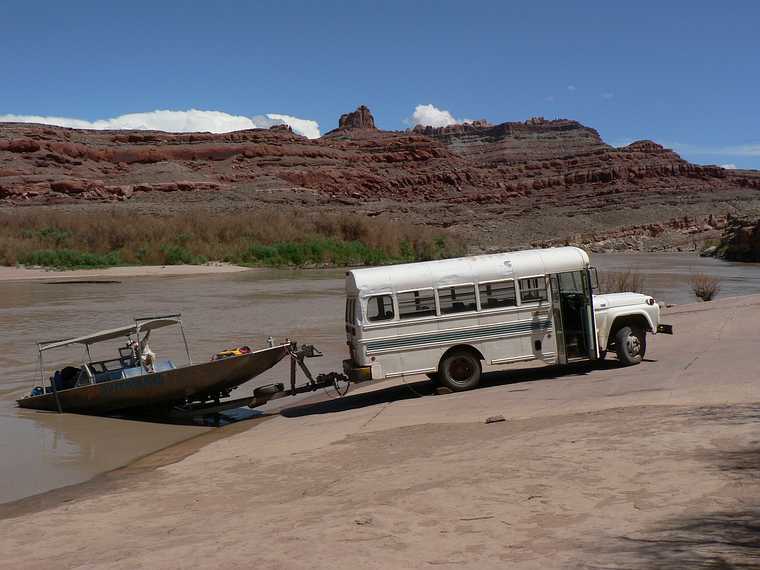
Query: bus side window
<point>413,304</point>
<point>380,308</point>
<point>533,289</point>
<point>498,294</point>
<point>459,299</point>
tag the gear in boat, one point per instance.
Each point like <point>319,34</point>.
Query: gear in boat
<point>138,379</point>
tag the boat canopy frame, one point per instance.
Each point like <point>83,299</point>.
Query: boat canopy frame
<point>143,324</point>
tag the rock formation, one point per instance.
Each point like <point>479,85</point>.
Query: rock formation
<point>359,119</point>
<point>514,182</point>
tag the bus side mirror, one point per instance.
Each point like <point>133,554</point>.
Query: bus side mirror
<point>594,278</point>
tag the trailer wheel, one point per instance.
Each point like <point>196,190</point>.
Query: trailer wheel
<point>267,390</point>
<point>459,371</point>
<point>630,344</point>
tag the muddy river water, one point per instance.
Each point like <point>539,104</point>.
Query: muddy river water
<point>41,451</point>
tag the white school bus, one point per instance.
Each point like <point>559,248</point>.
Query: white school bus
<point>451,318</point>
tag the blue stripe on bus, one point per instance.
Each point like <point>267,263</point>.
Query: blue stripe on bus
<point>457,335</point>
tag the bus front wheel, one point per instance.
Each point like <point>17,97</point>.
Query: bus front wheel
<point>631,344</point>
<point>459,371</point>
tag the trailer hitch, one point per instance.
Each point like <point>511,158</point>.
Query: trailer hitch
<point>298,355</point>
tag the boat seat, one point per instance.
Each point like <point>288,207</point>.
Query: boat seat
<point>108,376</point>
<point>161,366</point>
<point>132,372</point>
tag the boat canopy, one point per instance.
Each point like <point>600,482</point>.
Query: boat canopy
<point>141,325</point>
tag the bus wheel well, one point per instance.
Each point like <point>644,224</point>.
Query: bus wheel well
<point>463,348</point>
<point>626,321</point>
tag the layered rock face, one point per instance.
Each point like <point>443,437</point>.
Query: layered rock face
<point>509,143</point>
<point>740,240</point>
<point>50,164</point>
<point>477,178</point>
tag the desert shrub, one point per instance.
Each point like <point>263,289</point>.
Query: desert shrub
<point>705,287</point>
<point>621,281</point>
<point>270,237</point>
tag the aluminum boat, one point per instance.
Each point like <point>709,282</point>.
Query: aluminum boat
<point>136,379</point>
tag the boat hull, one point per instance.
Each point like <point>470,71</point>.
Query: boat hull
<point>161,388</point>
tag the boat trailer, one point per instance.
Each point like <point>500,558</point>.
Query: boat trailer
<point>268,392</point>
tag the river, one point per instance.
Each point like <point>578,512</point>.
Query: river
<point>42,451</point>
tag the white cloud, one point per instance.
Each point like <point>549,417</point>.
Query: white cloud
<point>752,150</point>
<point>549,98</point>
<point>193,120</point>
<point>305,127</point>
<point>432,116</point>
<point>571,87</point>
<point>607,95</point>
<point>730,166</point>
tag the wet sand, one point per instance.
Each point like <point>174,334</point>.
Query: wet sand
<point>651,466</point>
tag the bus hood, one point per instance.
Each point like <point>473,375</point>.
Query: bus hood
<point>611,300</point>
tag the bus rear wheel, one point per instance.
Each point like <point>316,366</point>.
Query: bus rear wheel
<point>459,371</point>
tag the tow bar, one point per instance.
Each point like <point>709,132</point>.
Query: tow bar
<point>298,356</point>
<point>268,392</point>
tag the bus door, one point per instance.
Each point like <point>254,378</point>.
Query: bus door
<point>573,313</point>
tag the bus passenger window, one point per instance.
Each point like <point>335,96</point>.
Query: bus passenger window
<point>413,304</point>
<point>533,289</point>
<point>380,308</point>
<point>459,299</point>
<point>500,294</point>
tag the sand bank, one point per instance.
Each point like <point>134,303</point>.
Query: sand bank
<point>648,466</point>
<point>27,274</point>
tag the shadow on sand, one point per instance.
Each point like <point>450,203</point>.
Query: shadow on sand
<point>719,540</point>
<point>421,388</point>
<point>712,540</point>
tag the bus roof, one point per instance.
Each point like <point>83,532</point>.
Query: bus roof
<point>473,269</point>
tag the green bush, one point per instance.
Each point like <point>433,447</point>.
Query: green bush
<point>70,259</point>
<point>180,255</point>
<point>56,236</point>
<point>316,251</point>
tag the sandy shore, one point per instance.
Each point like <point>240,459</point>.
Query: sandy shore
<point>652,466</point>
<point>28,274</point>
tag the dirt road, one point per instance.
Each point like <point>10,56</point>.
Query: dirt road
<point>653,466</point>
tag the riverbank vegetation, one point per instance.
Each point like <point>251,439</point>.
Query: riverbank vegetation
<point>621,281</point>
<point>272,238</point>
<point>705,287</point>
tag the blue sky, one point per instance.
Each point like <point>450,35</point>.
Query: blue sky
<point>685,74</point>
